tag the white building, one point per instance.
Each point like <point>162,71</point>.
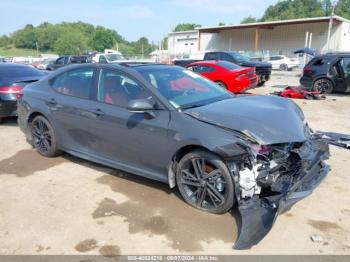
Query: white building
<point>183,43</point>
<point>276,37</point>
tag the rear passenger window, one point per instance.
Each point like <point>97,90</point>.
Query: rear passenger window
<point>319,62</point>
<point>226,57</point>
<point>205,69</point>
<point>77,83</point>
<point>211,56</point>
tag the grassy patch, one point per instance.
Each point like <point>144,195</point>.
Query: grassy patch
<point>12,51</point>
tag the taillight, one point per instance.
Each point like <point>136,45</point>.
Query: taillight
<point>240,76</point>
<point>13,89</point>
<point>307,70</point>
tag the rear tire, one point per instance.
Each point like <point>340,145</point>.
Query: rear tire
<point>222,84</point>
<point>1,120</point>
<point>283,67</point>
<point>205,182</point>
<point>44,137</point>
<point>323,85</point>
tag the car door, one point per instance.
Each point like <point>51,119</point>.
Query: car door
<point>345,68</point>
<point>126,138</point>
<point>59,62</point>
<point>70,107</point>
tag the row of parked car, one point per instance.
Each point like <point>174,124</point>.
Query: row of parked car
<point>324,73</point>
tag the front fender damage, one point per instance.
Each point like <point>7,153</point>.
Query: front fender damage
<point>273,180</point>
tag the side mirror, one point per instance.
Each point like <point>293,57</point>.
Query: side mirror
<point>142,106</point>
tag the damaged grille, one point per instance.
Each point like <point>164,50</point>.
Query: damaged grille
<point>274,170</point>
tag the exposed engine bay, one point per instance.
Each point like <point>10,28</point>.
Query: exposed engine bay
<point>271,179</point>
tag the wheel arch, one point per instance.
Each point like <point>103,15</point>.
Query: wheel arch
<point>33,115</point>
<point>180,153</point>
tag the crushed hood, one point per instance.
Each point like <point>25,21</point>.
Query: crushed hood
<point>269,119</point>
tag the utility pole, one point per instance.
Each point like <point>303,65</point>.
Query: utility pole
<point>330,25</point>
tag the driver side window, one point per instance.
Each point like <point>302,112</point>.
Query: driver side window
<point>60,61</point>
<point>345,65</point>
<point>116,88</point>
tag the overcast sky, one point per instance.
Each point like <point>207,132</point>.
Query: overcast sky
<point>131,18</point>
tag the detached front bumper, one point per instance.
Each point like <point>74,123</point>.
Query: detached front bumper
<point>258,214</point>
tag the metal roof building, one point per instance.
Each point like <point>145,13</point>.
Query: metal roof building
<point>276,37</point>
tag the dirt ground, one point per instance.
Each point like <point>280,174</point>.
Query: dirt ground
<point>69,206</point>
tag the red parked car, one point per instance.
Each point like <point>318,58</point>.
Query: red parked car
<point>228,75</point>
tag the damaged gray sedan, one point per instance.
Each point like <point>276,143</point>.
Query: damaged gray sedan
<point>251,153</point>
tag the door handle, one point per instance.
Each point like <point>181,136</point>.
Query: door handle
<point>97,112</point>
<point>51,102</point>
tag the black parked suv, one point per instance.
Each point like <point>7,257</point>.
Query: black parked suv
<point>328,73</point>
<point>263,69</point>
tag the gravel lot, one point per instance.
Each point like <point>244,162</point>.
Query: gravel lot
<point>69,206</point>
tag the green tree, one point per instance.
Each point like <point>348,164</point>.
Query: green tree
<point>25,38</point>
<point>221,24</point>
<point>142,46</point>
<point>248,20</point>
<point>47,34</point>
<point>343,8</point>
<point>102,39</point>
<point>71,43</point>
<point>291,9</point>
<point>4,41</point>
<point>185,27</point>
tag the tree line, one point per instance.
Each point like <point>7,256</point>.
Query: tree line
<point>292,9</point>
<point>74,38</point>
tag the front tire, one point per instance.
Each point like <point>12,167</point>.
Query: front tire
<point>44,137</point>
<point>323,85</point>
<point>205,182</point>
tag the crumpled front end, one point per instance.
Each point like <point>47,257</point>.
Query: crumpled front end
<point>271,179</point>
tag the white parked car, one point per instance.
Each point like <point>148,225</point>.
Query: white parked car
<point>109,56</point>
<point>283,63</point>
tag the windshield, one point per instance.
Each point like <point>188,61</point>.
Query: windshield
<point>114,57</point>
<point>238,57</point>
<point>183,88</point>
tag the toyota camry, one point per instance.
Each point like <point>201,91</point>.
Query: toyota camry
<point>256,154</point>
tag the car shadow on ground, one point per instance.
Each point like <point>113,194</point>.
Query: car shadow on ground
<point>153,208</point>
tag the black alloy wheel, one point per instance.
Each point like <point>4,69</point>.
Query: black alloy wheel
<point>205,182</point>
<point>43,137</point>
<point>323,85</point>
